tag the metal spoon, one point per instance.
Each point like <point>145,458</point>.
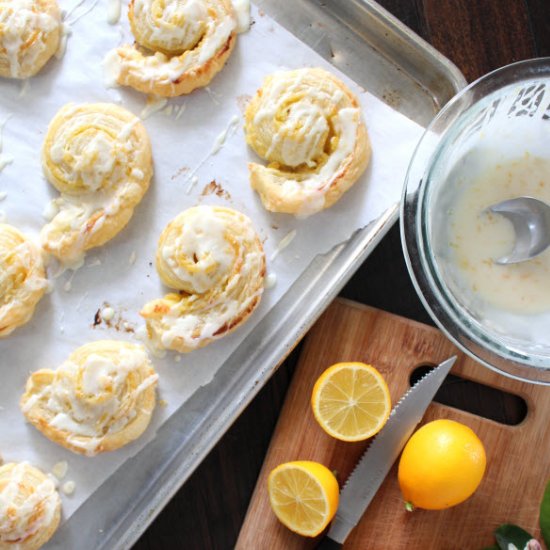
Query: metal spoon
<point>531,220</point>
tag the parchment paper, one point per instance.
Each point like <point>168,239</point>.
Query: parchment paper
<point>181,141</point>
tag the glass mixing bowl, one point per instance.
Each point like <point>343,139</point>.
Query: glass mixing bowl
<point>500,118</point>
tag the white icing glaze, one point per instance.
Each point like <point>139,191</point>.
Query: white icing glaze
<point>308,128</point>
<point>111,69</point>
<point>107,313</point>
<point>18,276</point>
<point>476,237</point>
<point>126,131</point>
<point>54,480</point>
<point>228,132</point>
<point>216,260</point>
<point>93,164</point>
<point>137,173</point>
<point>152,345</point>
<point>60,469</point>
<point>73,15</point>
<point>73,213</point>
<point>212,95</point>
<point>69,282</point>
<point>173,25</point>
<point>219,142</point>
<point>153,105</point>
<point>90,155</point>
<point>22,515</point>
<point>314,203</point>
<point>315,185</point>
<point>192,183</point>
<point>62,47</point>
<point>50,210</point>
<point>207,253</point>
<point>283,243</point>
<point>68,487</point>
<point>167,68</point>
<point>215,37</point>
<point>113,11</point>
<point>299,139</point>
<point>18,23</point>
<point>25,87</point>
<point>184,327</point>
<point>242,12</point>
<point>270,280</point>
<point>91,400</point>
<point>5,160</point>
<point>89,161</point>
<point>300,135</point>
<point>180,111</point>
<point>346,123</point>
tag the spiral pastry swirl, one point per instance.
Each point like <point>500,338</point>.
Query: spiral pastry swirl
<point>98,400</point>
<point>30,507</point>
<point>22,279</point>
<point>307,125</point>
<point>214,258</point>
<point>180,45</point>
<point>30,31</point>
<point>98,156</point>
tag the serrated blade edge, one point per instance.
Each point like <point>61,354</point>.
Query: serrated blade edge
<point>375,463</point>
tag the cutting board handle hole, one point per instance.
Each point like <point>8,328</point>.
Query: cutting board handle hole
<point>511,410</point>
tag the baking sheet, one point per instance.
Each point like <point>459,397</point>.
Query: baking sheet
<point>182,139</point>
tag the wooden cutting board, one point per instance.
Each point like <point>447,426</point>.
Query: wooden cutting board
<point>518,457</point>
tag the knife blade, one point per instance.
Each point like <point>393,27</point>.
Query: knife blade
<point>377,460</point>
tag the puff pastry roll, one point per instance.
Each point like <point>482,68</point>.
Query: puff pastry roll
<point>30,507</point>
<point>180,45</point>
<point>307,125</point>
<point>214,258</point>
<point>22,279</point>
<point>98,156</point>
<point>98,400</point>
<point>30,31</point>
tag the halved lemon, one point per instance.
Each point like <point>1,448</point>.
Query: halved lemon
<point>303,495</point>
<point>351,401</point>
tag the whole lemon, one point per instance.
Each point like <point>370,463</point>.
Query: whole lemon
<point>442,465</point>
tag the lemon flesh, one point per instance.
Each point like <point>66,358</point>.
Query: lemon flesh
<point>304,496</point>
<point>351,401</point>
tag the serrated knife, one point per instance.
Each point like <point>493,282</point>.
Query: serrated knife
<point>377,460</point>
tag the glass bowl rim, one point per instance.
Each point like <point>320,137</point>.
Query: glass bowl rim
<point>441,310</point>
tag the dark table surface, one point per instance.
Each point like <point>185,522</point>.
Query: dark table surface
<point>207,512</point>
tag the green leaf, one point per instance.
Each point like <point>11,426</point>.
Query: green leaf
<point>545,516</point>
<point>512,534</point>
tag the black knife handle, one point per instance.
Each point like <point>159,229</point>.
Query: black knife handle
<point>327,543</point>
